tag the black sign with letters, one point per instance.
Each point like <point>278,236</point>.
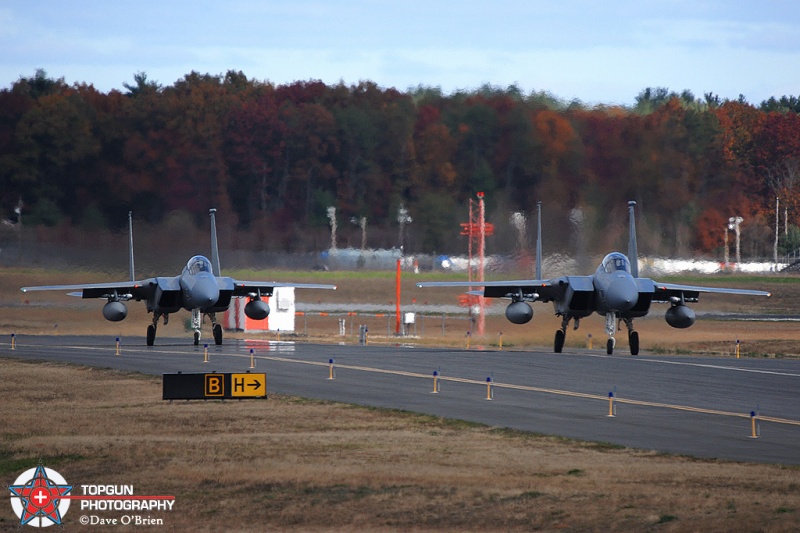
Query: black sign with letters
<point>214,386</point>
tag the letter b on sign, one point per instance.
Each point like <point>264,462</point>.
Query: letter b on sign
<point>215,385</point>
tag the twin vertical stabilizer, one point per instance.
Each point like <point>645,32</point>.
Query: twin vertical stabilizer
<point>539,240</point>
<point>633,252</point>
<point>130,246</point>
<point>214,246</point>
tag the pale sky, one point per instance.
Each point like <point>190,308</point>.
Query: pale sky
<point>600,52</point>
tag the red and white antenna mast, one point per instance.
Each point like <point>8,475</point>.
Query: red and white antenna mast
<point>477,229</point>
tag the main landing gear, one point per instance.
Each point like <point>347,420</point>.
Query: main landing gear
<point>216,329</point>
<point>561,334</point>
<point>633,336</point>
<point>611,327</point>
<point>151,329</point>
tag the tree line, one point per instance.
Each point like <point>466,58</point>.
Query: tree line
<point>278,156</point>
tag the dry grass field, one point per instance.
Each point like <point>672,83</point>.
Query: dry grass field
<point>294,464</point>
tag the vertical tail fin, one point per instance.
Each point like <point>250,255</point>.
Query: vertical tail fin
<point>214,246</point>
<point>130,246</point>
<point>539,241</point>
<point>633,252</point>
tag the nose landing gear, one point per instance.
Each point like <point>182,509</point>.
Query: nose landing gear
<point>611,328</point>
<point>216,328</point>
<point>633,336</point>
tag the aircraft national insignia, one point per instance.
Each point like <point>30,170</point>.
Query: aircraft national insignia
<point>39,497</point>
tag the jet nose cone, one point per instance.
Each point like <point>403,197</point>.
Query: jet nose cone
<point>622,294</point>
<point>205,293</point>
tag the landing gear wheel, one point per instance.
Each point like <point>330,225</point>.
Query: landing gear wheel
<point>558,344</point>
<point>633,340</point>
<point>151,335</point>
<point>610,346</point>
<point>217,334</point>
<point>196,338</point>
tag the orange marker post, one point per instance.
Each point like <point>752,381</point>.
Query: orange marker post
<point>252,359</point>
<point>205,353</point>
<point>489,391</point>
<point>13,341</point>
<point>611,404</point>
<point>331,370</point>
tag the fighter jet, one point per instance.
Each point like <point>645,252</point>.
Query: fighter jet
<point>200,289</point>
<point>614,291</point>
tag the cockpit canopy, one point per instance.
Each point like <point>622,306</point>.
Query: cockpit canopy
<point>198,264</point>
<point>616,261</point>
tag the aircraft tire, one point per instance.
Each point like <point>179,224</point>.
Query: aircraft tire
<point>633,340</point>
<point>610,347</point>
<point>151,335</point>
<point>196,338</point>
<point>558,344</point>
<point>217,334</point>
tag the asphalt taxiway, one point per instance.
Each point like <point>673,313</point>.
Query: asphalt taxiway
<point>679,405</point>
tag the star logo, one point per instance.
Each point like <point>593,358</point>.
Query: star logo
<point>39,497</point>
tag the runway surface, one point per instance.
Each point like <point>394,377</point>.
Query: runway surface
<point>679,405</point>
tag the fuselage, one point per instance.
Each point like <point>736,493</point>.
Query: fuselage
<point>199,287</point>
<point>616,290</point>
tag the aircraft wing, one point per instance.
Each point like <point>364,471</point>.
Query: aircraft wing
<point>265,288</point>
<point>128,290</point>
<point>540,290</point>
<point>664,291</point>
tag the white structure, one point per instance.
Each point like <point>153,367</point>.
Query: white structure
<point>281,314</point>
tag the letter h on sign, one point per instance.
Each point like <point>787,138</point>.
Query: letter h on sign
<point>238,385</point>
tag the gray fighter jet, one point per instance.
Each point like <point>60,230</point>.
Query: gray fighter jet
<point>615,291</point>
<point>199,289</point>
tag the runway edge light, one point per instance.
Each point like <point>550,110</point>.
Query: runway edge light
<point>754,429</point>
<point>435,382</point>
